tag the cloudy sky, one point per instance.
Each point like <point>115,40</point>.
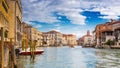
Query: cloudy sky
<point>69,16</point>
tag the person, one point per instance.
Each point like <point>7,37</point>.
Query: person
<point>17,51</point>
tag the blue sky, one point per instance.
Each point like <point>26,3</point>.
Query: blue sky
<point>69,16</point>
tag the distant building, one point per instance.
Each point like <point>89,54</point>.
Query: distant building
<point>80,41</point>
<point>34,36</point>
<point>46,40</point>
<point>40,39</point>
<point>26,33</point>
<point>69,39</point>
<point>52,38</point>
<point>86,39</point>
<point>64,40</point>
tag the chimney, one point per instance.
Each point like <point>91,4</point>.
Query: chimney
<point>112,21</point>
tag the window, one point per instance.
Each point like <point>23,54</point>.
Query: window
<point>18,24</point>
<point>0,32</point>
<point>6,34</point>
<point>4,6</point>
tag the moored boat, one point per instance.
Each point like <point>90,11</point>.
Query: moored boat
<point>87,46</point>
<point>28,52</point>
<point>115,47</point>
<point>72,46</point>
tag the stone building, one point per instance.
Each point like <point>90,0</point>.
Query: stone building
<point>46,39</point>
<point>10,15</point>
<point>40,39</point>
<point>107,31</point>
<point>37,36</point>
<point>34,37</point>
<point>86,40</point>
<point>52,38</point>
<point>4,29</point>
<point>26,34</point>
<point>69,39</point>
<point>116,27</point>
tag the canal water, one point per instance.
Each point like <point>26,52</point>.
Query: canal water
<point>78,57</point>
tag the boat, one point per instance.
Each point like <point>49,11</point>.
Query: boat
<point>115,47</point>
<point>28,52</point>
<point>72,46</point>
<point>87,46</point>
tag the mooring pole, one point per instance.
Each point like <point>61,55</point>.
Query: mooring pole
<point>1,48</point>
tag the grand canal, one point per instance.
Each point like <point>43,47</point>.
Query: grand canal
<point>78,57</point>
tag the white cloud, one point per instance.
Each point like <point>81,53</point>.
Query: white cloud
<point>109,17</point>
<point>32,0</point>
<point>110,9</point>
<point>43,10</point>
<point>113,12</point>
<point>34,24</point>
<point>76,18</point>
<point>38,11</point>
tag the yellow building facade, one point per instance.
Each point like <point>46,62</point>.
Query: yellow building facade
<point>34,33</point>
<point>4,20</point>
<point>40,38</point>
<point>26,35</point>
<point>10,14</point>
<point>69,39</point>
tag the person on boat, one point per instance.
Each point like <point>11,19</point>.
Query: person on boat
<point>17,51</point>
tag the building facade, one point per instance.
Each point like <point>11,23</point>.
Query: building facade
<point>52,38</point>
<point>18,22</point>
<point>10,14</point>
<point>86,40</point>
<point>34,37</point>
<point>116,27</point>
<point>4,25</point>
<point>26,34</point>
<point>40,39</point>
<point>107,31</point>
<point>69,39</point>
<point>46,39</point>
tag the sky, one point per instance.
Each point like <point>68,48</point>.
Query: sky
<point>69,16</point>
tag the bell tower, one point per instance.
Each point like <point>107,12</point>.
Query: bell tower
<point>88,32</point>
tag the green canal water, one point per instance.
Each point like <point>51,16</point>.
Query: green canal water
<point>78,57</point>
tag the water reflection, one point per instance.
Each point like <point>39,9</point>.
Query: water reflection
<point>65,57</point>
